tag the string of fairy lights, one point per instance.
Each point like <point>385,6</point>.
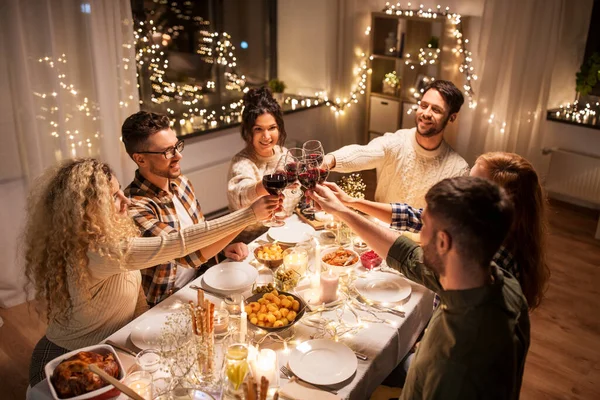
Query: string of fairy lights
<point>578,113</point>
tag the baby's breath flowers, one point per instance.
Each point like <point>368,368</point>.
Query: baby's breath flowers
<point>353,185</point>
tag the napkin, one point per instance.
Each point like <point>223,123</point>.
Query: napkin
<point>297,390</point>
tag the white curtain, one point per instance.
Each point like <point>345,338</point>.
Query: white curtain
<point>68,82</point>
<point>517,48</point>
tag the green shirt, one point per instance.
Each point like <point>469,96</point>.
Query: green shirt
<point>477,339</point>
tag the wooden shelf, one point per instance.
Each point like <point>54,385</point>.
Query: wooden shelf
<point>382,57</point>
<point>396,98</point>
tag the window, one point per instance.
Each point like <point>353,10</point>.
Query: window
<point>195,58</point>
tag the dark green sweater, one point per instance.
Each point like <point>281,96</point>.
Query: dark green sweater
<point>477,339</point>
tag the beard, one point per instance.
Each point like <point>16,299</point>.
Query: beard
<point>433,130</point>
<point>431,258</point>
<point>166,173</point>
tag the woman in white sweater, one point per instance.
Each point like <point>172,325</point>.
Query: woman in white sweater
<point>83,255</point>
<point>263,130</point>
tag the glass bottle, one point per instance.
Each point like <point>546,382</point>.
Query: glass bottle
<point>234,370</point>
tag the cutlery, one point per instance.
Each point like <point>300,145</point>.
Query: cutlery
<point>122,348</point>
<point>379,307</point>
<point>216,294</point>
<point>290,375</point>
<point>361,356</point>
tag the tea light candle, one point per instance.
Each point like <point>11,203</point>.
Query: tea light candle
<point>141,383</point>
<point>266,365</point>
<point>359,245</point>
<point>221,322</point>
<point>296,261</point>
<point>329,286</point>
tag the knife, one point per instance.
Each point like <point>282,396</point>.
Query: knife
<point>122,348</point>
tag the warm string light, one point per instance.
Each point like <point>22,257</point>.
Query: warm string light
<point>428,56</point>
<point>75,106</point>
<point>578,113</point>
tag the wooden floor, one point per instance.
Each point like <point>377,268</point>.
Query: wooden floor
<point>564,358</point>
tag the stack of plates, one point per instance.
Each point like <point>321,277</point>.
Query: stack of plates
<point>292,233</point>
<point>230,277</point>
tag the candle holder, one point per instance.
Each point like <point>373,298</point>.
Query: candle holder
<point>148,360</point>
<point>141,383</point>
<point>296,258</point>
<point>233,304</point>
<point>265,364</point>
<point>221,322</point>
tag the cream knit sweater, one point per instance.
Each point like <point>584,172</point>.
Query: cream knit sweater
<point>245,171</point>
<point>405,170</point>
<point>115,286</point>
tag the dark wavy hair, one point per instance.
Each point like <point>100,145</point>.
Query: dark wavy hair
<point>450,93</point>
<point>256,103</point>
<point>138,127</point>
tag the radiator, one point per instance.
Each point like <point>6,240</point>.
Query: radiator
<point>574,177</point>
<point>210,185</point>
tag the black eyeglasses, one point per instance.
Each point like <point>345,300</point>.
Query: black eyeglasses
<point>168,153</point>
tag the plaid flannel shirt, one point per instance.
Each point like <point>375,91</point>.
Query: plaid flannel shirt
<point>154,212</point>
<point>407,218</point>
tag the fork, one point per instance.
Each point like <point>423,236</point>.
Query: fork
<point>289,374</point>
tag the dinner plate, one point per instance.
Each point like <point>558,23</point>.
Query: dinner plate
<point>230,276</point>
<point>292,232</point>
<point>383,287</point>
<point>323,362</point>
<point>146,333</point>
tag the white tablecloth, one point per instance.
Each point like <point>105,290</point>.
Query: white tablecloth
<point>385,345</point>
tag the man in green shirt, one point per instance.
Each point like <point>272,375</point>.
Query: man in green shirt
<point>477,340</point>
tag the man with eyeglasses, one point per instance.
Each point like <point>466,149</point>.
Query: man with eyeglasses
<point>163,202</point>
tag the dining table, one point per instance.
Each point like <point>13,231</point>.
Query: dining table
<point>383,336</point>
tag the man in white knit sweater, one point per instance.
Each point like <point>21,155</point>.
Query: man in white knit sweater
<point>410,161</point>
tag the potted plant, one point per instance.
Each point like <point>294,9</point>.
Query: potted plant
<point>588,77</point>
<point>391,83</point>
<point>277,88</point>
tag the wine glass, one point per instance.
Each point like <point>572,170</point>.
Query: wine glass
<point>323,173</point>
<point>292,158</point>
<point>275,181</point>
<point>308,175</point>
<point>313,150</point>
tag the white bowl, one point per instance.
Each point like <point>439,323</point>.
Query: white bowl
<point>342,270</point>
<point>100,349</point>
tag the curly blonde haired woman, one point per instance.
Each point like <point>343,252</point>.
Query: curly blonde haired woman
<point>83,257</point>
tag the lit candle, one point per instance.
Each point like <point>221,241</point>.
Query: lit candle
<point>221,322</point>
<point>296,259</point>
<point>243,324</point>
<point>141,383</point>
<point>316,276</point>
<point>329,286</point>
<point>266,365</point>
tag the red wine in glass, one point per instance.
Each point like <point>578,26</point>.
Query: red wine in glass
<point>323,174</point>
<point>291,171</point>
<point>309,178</point>
<point>275,183</point>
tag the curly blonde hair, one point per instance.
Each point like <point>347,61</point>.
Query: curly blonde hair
<point>70,212</point>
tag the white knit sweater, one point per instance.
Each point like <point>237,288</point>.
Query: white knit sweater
<point>245,171</point>
<point>115,285</point>
<point>405,170</point>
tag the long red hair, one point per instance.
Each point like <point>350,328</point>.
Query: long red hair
<point>527,237</point>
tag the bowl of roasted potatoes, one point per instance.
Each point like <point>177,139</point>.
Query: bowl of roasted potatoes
<point>270,254</point>
<point>274,310</point>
